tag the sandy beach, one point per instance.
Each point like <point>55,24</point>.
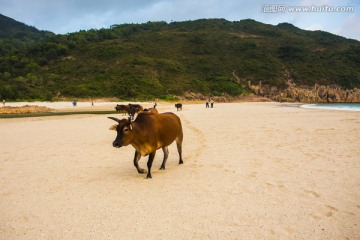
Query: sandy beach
<point>251,171</point>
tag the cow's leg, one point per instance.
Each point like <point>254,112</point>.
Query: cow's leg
<point>166,154</point>
<point>179,140</point>
<point>179,147</point>
<point>149,163</point>
<point>136,160</point>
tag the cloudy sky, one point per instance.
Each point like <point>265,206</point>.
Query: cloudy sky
<point>341,17</point>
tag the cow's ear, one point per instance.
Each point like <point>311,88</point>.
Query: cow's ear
<point>114,127</point>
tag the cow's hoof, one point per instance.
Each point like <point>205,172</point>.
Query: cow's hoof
<point>162,168</point>
<point>148,176</point>
<point>142,171</point>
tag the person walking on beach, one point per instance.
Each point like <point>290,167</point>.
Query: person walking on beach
<point>92,103</point>
<point>212,102</point>
<point>207,103</point>
<point>155,103</point>
<point>4,102</point>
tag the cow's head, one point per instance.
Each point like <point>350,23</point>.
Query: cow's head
<point>124,132</point>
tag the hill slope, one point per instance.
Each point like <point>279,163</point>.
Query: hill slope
<point>159,59</point>
<point>15,35</point>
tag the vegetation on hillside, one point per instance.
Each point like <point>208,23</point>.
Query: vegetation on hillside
<point>159,59</point>
<point>15,35</point>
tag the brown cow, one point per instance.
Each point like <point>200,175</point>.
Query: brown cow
<point>122,108</point>
<point>178,106</point>
<point>133,109</point>
<point>148,133</point>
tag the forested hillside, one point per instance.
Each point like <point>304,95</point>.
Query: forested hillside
<point>159,59</point>
<point>16,35</point>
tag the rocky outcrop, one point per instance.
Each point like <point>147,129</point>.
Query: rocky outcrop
<point>198,97</point>
<point>315,94</point>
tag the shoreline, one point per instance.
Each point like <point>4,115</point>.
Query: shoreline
<point>66,108</point>
<point>333,106</point>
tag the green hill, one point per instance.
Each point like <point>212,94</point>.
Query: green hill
<point>159,59</point>
<point>15,35</point>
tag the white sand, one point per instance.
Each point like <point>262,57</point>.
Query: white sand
<point>251,171</point>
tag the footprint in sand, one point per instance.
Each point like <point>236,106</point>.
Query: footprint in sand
<point>279,186</point>
<point>253,175</point>
<point>315,194</point>
<point>198,135</point>
<point>330,210</point>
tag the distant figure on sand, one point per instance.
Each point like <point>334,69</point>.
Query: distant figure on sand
<point>4,102</point>
<point>155,103</point>
<point>74,103</point>
<point>92,103</point>
<point>207,103</point>
<point>212,102</point>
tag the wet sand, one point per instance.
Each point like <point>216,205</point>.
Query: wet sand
<point>251,171</point>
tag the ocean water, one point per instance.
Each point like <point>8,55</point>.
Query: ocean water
<point>334,106</point>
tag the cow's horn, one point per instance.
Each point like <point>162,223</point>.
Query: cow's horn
<point>115,119</point>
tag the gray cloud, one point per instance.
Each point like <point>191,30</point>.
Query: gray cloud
<point>73,15</point>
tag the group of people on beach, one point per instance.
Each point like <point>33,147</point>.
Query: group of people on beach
<point>211,101</point>
<point>74,103</point>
